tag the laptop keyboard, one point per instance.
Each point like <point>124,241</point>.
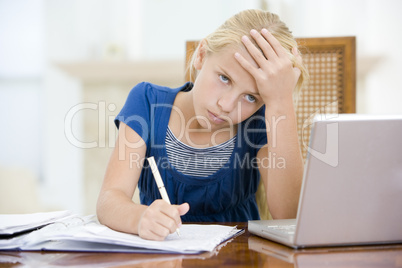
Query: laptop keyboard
<point>285,229</point>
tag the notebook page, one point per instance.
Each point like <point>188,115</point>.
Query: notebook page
<point>13,223</point>
<point>194,238</point>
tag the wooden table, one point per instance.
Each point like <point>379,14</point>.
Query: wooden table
<point>245,250</point>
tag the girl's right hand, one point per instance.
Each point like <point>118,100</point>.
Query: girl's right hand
<point>161,219</point>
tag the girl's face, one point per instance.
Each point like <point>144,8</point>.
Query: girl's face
<point>224,93</point>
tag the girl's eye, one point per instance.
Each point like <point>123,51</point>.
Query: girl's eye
<point>224,79</point>
<point>250,98</point>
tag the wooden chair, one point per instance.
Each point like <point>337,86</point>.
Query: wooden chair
<point>331,62</point>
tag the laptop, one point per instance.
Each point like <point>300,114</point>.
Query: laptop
<point>352,186</point>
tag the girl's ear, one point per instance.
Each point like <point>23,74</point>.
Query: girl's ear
<point>199,58</point>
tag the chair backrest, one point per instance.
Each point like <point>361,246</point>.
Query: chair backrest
<point>331,62</point>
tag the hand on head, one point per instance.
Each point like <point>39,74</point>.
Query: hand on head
<point>270,66</point>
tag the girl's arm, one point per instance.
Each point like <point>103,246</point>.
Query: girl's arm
<point>282,178</point>
<point>115,207</point>
<point>281,164</point>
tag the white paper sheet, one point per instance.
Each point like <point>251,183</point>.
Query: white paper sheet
<point>14,223</point>
<point>81,234</point>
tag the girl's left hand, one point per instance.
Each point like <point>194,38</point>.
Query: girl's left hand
<point>274,74</point>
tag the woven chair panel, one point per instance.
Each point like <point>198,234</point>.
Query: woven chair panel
<point>324,92</point>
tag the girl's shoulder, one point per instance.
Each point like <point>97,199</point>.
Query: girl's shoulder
<point>146,93</point>
<point>148,88</point>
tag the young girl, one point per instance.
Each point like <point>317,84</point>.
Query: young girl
<point>212,140</point>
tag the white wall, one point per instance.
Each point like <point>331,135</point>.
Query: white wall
<point>376,25</point>
<point>21,68</point>
<point>168,24</point>
<point>35,95</point>
<point>21,92</point>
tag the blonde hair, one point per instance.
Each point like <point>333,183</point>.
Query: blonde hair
<point>231,31</point>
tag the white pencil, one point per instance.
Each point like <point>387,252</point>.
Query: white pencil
<point>159,182</point>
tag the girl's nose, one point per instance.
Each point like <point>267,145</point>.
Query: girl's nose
<point>227,102</point>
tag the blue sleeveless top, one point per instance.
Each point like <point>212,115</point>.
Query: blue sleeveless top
<point>228,195</point>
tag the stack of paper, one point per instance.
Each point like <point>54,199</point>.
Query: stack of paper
<point>11,224</point>
<point>86,234</point>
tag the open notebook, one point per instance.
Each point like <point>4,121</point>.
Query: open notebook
<point>14,224</point>
<point>85,234</point>
<point>352,185</point>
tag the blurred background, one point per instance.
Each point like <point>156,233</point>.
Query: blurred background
<point>66,68</point>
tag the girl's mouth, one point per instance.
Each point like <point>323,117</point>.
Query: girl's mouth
<point>214,118</point>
